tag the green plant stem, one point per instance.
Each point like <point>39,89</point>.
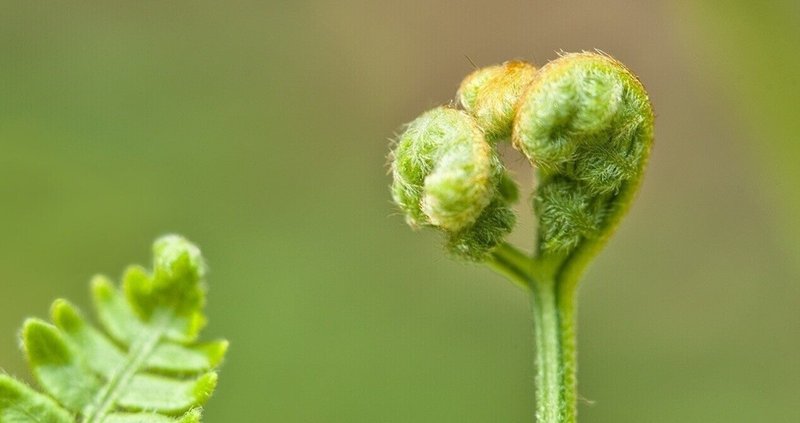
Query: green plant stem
<point>548,353</point>
<point>553,306</point>
<point>569,351</point>
<point>508,261</point>
<point>554,330</point>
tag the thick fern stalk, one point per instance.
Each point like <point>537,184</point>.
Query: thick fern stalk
<point>145,367</point>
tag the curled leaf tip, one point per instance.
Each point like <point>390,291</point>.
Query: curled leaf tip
<point>446,174</point>
<point>173,253</point>
<point>583,120</point>
<point>586,124</point>
<point>491,94</point>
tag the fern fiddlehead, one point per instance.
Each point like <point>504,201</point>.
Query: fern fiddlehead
<point>586,124</point>
<point>146,368</point>
<point>447,175</point>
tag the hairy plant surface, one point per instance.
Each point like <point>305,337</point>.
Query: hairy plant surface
<point>145,366</point>
<point>586,124</point>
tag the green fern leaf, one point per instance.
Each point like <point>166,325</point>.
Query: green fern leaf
<point>146,367</point>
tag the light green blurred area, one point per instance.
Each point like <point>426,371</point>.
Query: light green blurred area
<point>260,130</point>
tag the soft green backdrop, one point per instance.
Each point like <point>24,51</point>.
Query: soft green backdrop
<point>260,129</point>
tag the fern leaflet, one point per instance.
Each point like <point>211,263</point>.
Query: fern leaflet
<point>147,367</point>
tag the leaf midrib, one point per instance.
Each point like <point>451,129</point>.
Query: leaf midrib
<point>105,398</point>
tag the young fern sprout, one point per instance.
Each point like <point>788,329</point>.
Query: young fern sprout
<point>585,123</point>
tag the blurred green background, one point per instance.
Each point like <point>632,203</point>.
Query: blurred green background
<point>259,130</point>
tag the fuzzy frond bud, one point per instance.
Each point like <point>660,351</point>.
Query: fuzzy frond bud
<point>587,125</point>
<point>446,175</point>
<point>491,95</point>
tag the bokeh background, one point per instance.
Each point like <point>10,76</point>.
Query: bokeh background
<point>260,131</point>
